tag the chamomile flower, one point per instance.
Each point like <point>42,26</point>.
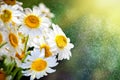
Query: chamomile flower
<point>14,44</point>
<point>33,23</point>
<point>9,14</point>
<point>41,43</point>
<point>61,42</point>
<point>37,66</point>
<point>45,11</point>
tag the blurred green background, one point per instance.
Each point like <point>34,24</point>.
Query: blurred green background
<point>94,28</point>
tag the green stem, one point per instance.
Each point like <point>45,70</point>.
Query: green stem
<point>11,67</point>
<point>8,66</point>
<point>25,56</point>
<point>16,70</point>
<point>19,75</point>
<point>3,44</point>
<point>25,47</point>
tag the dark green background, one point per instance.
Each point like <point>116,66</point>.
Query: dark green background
<point>96,55</point>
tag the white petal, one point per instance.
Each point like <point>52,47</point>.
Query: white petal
<point>36,10</point>
<point>26,65</point>
<point>49,70</point>
<point>28,11</point>
<point>52,61</point>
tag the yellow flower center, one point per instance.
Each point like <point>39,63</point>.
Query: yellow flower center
<point>61,41</point>
<point>10,2</point>
<point>1,38</point>
<point>39,64</point>
<point>47,50</point>
<point>6,16</point>
<point>13,40</point>
<point>32,21</point>
<point>20,57</point>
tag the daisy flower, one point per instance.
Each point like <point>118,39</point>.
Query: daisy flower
<point>41,43</point>
<point>33,23</point>
<point>14,44</point>
<point>48,50</point>
<point>61,42</point>
<point>9,14</point>
<point>45,11</point>
<point>37,66</point>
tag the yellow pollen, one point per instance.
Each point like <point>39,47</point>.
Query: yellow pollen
<point>1,38</point>
<point>13,40</point>
<point>39,64</point>
<point>10,2</point>
<point>13,23</point>
<point>32,21</point>
<point>61,41</point>
<point>47,50</point>
<point>20,57</point>
<point>23,40</point>
<point>6,16</point>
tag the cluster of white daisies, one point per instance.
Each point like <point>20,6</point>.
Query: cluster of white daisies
<point>30,39</point>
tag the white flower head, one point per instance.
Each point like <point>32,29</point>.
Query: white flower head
<point>61,42</point>
<point>33,23</point>
<point>37,66</point>
<point>14,44</point>
<point>41,43</point>
<point>9,14</point>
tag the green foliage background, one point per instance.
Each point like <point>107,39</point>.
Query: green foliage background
<point>96,55</point>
